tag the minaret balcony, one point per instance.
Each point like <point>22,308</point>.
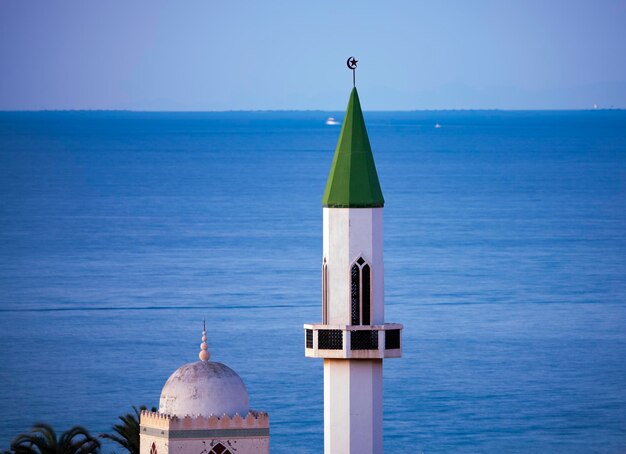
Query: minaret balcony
<point>353,341</point>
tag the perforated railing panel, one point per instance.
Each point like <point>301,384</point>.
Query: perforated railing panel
<point>309,338</point>
<point>364,340</point>
<point>330,339</point>
<point>392,339</point>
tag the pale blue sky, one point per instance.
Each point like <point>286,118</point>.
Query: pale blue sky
<point>222,55</point>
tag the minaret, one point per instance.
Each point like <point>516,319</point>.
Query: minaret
<point>353,337</point>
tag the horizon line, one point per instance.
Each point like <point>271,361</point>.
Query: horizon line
<point>466,109</point>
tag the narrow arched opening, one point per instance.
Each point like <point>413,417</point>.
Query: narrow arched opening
<point>360,292</point>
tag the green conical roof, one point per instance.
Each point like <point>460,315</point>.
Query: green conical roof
<point>353,181</point>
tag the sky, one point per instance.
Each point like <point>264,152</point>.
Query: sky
<point>206,55</point>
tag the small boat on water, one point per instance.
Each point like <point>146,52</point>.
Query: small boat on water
<point>331,121</point>
<point>437,125</point>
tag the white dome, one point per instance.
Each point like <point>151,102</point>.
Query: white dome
<point>204,388</point>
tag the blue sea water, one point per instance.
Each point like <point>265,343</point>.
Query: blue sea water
<point>505,256</point>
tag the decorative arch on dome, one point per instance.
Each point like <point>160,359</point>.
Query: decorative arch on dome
<point>153,449</point>
<point>220,449</point>
<point>360,292</point>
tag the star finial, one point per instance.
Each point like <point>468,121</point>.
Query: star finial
<point>351,62</point>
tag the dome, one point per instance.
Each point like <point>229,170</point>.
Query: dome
<point>204,388</point>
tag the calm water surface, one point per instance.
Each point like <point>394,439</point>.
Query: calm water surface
<point>505,255</point>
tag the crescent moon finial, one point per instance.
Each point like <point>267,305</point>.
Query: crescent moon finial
<point>351,63</point>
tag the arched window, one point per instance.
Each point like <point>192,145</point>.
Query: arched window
<point>153,449</point>
<point>324,292</point>
<point>219,449</point>
<point>360,292</point>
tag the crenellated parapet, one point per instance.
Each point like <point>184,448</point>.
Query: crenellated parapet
<point>155,419</point>
<point>165,434</point>
<point>252,420</point>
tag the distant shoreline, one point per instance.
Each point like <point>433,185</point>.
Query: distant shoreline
<point>615,109</point>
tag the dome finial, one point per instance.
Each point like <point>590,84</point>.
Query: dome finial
<point>352,65</point>
<point>204,348</point>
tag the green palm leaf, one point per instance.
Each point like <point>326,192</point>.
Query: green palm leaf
<point>127,433</point>
<point>42,439</point>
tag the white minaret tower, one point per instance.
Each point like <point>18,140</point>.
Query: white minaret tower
<point>353,337</point>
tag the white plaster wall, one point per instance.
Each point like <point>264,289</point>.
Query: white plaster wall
<point>145,443</point>
<point>246,445</point>
<point>350,233</point>
<point>353,406</point>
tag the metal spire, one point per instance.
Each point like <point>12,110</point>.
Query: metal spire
<point>352,65</point>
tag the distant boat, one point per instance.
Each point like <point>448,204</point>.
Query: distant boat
<point>331,121</point>
<point>437,125</point>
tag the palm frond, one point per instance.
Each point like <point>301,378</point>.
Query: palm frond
<point>78,439</point>
<point>47,441</point>
<point>126,433</point>
<point>119,440</point>
<point>42,439</point>
<point>29,443</point>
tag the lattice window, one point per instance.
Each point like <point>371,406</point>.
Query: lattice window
<point>324,292</point>
<point>392,339</point>
<point>364,340</point>
<point>153,449</point>
<point>365,300</point>
<point>360,293</point>
<point>330,339</point>
<point>219,449</point>
<point>309,338</point>
<point>355,294</point>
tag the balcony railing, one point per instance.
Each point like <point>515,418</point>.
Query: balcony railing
<point>353,341</point>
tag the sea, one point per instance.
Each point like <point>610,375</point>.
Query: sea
<point>505,259</point>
